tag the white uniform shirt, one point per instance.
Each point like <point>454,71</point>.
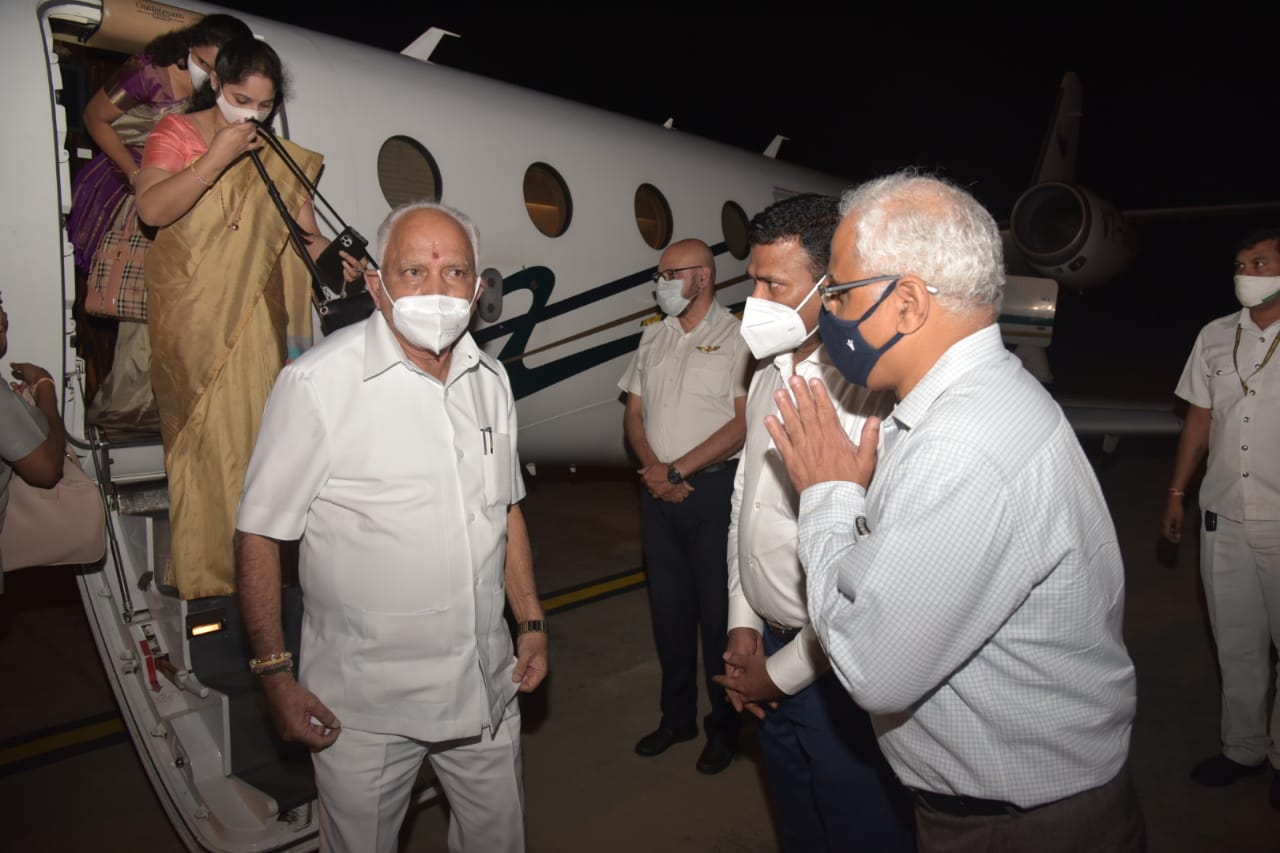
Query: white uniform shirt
<point>766,580</point>
<point>978,613</point>
<point>688,381</point>
<point>1242,479</point>
<point>399,487</point>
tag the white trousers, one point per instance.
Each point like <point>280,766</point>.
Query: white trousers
<point>365,781</point>
<point>1240,567</point>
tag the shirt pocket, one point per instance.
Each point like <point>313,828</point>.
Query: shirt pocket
<point>1224,382</point>
<point>708,375</point>
<point>497,470</point>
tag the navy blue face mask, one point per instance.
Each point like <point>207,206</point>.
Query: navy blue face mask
<point>850,352</point>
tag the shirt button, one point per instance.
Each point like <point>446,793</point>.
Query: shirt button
<point>459,453</point>
<point>1244,447</point>
<point>471,517</point>
<point>757,504</point>
<point>1252,392</point>
<point>1246,474</point>
<point>1246,418</point>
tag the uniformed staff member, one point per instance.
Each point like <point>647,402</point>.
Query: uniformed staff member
<point>1232,383</point>
<point>685,420</point>
<point>367,443</point>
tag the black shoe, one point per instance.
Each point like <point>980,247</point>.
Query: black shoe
<point>1219,771</point>
<point>1275,789</point>
<point>715,756</point>
<point>657,742</point>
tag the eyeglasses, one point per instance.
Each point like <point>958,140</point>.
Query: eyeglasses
<point>667,275</point>
<point>830,290</point>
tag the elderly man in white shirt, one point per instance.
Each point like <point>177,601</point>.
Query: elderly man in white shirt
<point>967,582</point>
<point>390,450</point>
<point>831,786</point>
<point>1232,385</point>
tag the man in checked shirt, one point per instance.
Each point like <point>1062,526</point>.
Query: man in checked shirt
<point>970,594</point>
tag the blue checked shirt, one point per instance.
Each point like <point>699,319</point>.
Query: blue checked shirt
<point>978,614</point>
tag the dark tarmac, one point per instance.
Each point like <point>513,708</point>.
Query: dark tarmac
<point>70,781</point>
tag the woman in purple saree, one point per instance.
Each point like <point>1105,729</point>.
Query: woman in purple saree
<point>149,86</point>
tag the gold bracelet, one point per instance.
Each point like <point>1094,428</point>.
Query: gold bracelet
<point>199,177</point>
<point>273,663</point>
<point>36,384</point>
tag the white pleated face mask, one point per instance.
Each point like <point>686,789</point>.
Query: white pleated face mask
<point>234,114</point>
<point>197,74</point>
<point>770,328</point>
<point>430,321</point>
<point>671,298</point>
<point>1253,290</point>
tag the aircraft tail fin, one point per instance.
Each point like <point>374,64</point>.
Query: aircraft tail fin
<point>1058,155</point>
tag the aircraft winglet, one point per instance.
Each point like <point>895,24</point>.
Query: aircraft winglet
<point>771,151</point>
<point>425,45</point>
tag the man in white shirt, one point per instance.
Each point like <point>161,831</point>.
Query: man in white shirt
<point>831,786</point>
<point>685,420</point>
<point>390,450</point>
<point>969,595</point>
<point>1232,383</point>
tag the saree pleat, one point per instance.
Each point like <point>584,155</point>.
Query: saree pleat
<point>224,305</point>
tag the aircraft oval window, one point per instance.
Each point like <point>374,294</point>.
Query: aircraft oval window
<point>653,216</point>
<point>407,172</point>
<point>733,222</point>
<point>546,198</point>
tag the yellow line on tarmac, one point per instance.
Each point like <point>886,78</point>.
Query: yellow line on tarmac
<point>62,740</point>
<point>577,596</point>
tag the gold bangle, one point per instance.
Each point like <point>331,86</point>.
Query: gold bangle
<point>273,663</point>
<point>199,177</point>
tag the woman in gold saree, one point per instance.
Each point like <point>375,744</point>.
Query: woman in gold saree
<point>228,300</point>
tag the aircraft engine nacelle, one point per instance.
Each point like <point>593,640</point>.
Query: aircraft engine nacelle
<point>1070,234</point>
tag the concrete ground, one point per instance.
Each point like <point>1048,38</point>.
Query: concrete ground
<point>585,789</point>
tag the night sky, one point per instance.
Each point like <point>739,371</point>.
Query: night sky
<point>1179,112</point>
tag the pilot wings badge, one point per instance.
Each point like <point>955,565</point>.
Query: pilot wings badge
<point>708,348</point>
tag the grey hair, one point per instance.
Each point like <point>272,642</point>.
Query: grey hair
<point>914,224</point>
<point>464,221</point>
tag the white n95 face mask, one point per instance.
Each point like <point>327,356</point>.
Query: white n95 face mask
<point>1253,290</point>
<point>671,298</point>
<point>430,321</point>
<point>770,328</point>
<point>234,114</point>
<point>197,74</point>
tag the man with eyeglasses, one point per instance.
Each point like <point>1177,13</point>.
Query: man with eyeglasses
<point>685,421</point>
<point>966,579</point>
<point>832,789</point>
<point>1232,385</point>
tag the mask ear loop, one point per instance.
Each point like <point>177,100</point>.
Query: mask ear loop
<point>814,330</point>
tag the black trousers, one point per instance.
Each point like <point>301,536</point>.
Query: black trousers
<point>684,547</point>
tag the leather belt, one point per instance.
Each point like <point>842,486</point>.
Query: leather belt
<point>962,806</point>
<point>779,631</point>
